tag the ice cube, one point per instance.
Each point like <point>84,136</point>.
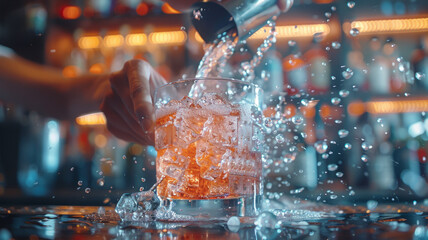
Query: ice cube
<point>126,206</point>
<point>164,136</point>
<point>173,164</point>
<point>139,206</point>
<point>210,99</point>
<point>221,130</point>
<point>209,158</point>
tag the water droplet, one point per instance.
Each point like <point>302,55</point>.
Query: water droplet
<point>296,191</point>
<point>304,102</point>
<point>100,182</point>
<point>183,28</point>
<point>350,4</point>
<point>280,138</point>
<point>197,14</point>
<point>124,157</point>
<point>419,76</point>
<point>333,8</point>
<point>354,32</point>
<point>372,204</point>
<point>327,14</point>
<point>344,93</point>
<point>318,37</point>
<point>72,169</point>
<point>324,156</point>
<point>289,157</point>
<point>339,174</point>
<point>321,146</point>
<point>364,158</point>
<point>80,183</point>
<point>348,146</point>
<point>351,193</point>
<point>348,73</point>
<point>335,100</point>
<point>343,133</point>
<point>233,224</point>
<point>266,220</point>
<point>332,167</point>
<point>366,146</point>
<point>336,45</point>
<point>297,120</point>
<point>333,196</point>
<point>291,43</point>
<point>87,190</point>
<point>143,180</point>
<point>268,122</point>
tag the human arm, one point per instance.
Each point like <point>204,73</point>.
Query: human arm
<point>125,96</point>
<point>46,91</point>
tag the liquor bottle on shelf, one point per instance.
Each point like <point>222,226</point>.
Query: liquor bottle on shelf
<point>295,71</point>
<point>420,63</point>
<point>381,167</point>
<point>379,71</point>
<point>318,68</point>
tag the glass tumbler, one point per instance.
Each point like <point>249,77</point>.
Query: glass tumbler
<point>209,144</point>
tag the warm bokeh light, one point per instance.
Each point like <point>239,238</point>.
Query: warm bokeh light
<point>71,12</point>
<point>89,42</point>
<point>97,68</point>
<point>100,140</point>
<point>290,110</point>
<point>142,9</point>
<point>136,39</point>
<point>91,119</point>
<point>113,40</point>
<point>269,112</point>
<point>136,149</point>
<point>198,38</point>
<point>172,37</point>
<point>325,111</point>
<point>166,8</point>
<point>388,26</point>
<point>356,108</point>
<point>70,71</point>
<point>293,31</point>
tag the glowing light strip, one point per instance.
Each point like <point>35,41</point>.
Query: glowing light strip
<point>89,42</point>
<point>136,39</point>
<point>91,119</point>
<point>389,26</point>
<point>172,37</point>
<point>113,40</point>
<point>388,106</point>
<point>401,106</point>
<point>293,31</point>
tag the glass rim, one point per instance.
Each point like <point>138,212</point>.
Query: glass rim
<point>181,81</point>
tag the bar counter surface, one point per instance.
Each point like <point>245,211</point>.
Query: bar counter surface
<point>336,222</point>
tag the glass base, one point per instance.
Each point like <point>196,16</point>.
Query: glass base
<point>213,209</point>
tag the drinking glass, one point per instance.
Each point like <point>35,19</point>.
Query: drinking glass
<point>209,143</point>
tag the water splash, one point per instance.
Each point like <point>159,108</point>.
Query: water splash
<point>247,68</point>
<point>217,54</point>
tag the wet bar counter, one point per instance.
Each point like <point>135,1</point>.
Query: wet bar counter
<point>90,222</point>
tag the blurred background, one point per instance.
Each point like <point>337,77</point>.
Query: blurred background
<point>351,76</point>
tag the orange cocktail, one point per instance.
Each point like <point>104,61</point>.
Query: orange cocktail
<point>207,145</point>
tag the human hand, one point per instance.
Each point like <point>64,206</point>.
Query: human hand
<point>129,107</point>
<point>184,5</point>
